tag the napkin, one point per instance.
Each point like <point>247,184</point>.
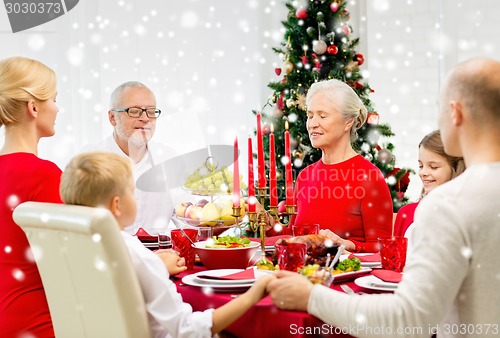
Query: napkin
<point>388,275</point>
<point>269,241</point>
<point>246,274</point>
<point>144,236</point>
<point>367,258</point>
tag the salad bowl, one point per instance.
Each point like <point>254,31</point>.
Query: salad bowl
<point>236,254</point>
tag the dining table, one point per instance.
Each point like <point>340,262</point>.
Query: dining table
<point>265,319</point>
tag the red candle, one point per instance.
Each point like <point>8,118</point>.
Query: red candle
<point>288,168</point>
<point>260,154</point>
<point>251,183</point>
<point>236,176</point>
<point>273,190</point>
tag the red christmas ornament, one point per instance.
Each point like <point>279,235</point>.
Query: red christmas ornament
<point>334,7</point>
<point>266,129</point>
<point>332,49</point>
<point>360,58</point>
<point>304,59</point>
<point>301,13</point>
<point>346,30</point>
<point>280,104</point>
<point>277,71</point>
<point>402,183</point>
<point>347,15</point>
<point>372,118</point>
<point>358,85</point>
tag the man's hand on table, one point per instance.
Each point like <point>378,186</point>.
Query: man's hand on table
<point>173,262</point>
<point>290,291</point>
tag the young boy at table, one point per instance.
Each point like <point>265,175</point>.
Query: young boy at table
<point>101,179</point>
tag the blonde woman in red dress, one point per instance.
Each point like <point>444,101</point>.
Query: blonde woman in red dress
<point>28,112</point>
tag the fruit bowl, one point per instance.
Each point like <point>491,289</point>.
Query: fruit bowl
<point>225,258</point>
<point>213,223</point>
<point>204,213</point>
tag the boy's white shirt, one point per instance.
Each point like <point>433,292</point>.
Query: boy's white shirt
<point>168,315</point>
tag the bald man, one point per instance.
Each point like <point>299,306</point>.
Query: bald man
<point>451,279</point>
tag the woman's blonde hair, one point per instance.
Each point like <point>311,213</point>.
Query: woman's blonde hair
<point>21,80</point>
<point>433,142</point>
<point>92,179</point>
<point>346,100</point>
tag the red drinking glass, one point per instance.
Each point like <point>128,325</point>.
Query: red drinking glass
<point>291,256</point>
<point>393,253</point>
<point>182,244</point>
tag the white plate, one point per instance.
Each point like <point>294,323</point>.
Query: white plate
<point>364,264</point>
<point>219,273</point>
<point>194,281</point>
<point>350,275</point>
<point>374,283</point>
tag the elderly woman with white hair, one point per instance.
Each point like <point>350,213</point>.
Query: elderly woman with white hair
<point>343,192</point>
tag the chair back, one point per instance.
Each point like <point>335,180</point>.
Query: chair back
<point>91,286</point>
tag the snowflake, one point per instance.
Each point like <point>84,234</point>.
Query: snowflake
<point>466,252</point>
<point>18,274</point>
<point>100,264</point>
<point>207,290</point>
<point>36,42</point>
<point>13,201</point>
<point>75,56</point>
<point>189,19</point>
<point>140,30</point>
<point>360,319</point>
<point>34,253</point>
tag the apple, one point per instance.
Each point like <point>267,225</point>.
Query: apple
<point>209,213</point>
<point>201,203</point>
<point>193,212</point>
<point>180,209</point>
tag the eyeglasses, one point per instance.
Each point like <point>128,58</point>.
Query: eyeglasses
<point>136,112</point>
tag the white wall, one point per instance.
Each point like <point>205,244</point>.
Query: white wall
<point>209,62</point>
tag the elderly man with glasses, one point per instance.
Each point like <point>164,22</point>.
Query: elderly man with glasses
<point>133,115</point>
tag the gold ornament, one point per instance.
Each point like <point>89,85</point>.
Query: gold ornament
<point>287,67</point>
<point>301,100</point>
<point>299,154</point>
<point>351,66</point>
<point>279,175</point>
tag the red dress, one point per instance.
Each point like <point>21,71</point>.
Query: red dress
<point>23,305</point>
<point>404,218</point>
<point>350,198</point>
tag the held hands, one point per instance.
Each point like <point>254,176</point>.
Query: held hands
<point>349,246</point>
<point>173,262</point>
<point>290,291</point>
<point>258,289</point>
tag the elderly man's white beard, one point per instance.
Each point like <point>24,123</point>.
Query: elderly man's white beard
<point>139,139</point>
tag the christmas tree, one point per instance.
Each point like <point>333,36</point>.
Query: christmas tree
<point>317,46</point>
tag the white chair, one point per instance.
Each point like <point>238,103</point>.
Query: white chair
<point>91,286</point>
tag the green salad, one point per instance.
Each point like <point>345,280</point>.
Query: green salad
<point>229,242</point>
<point>348,265</point>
